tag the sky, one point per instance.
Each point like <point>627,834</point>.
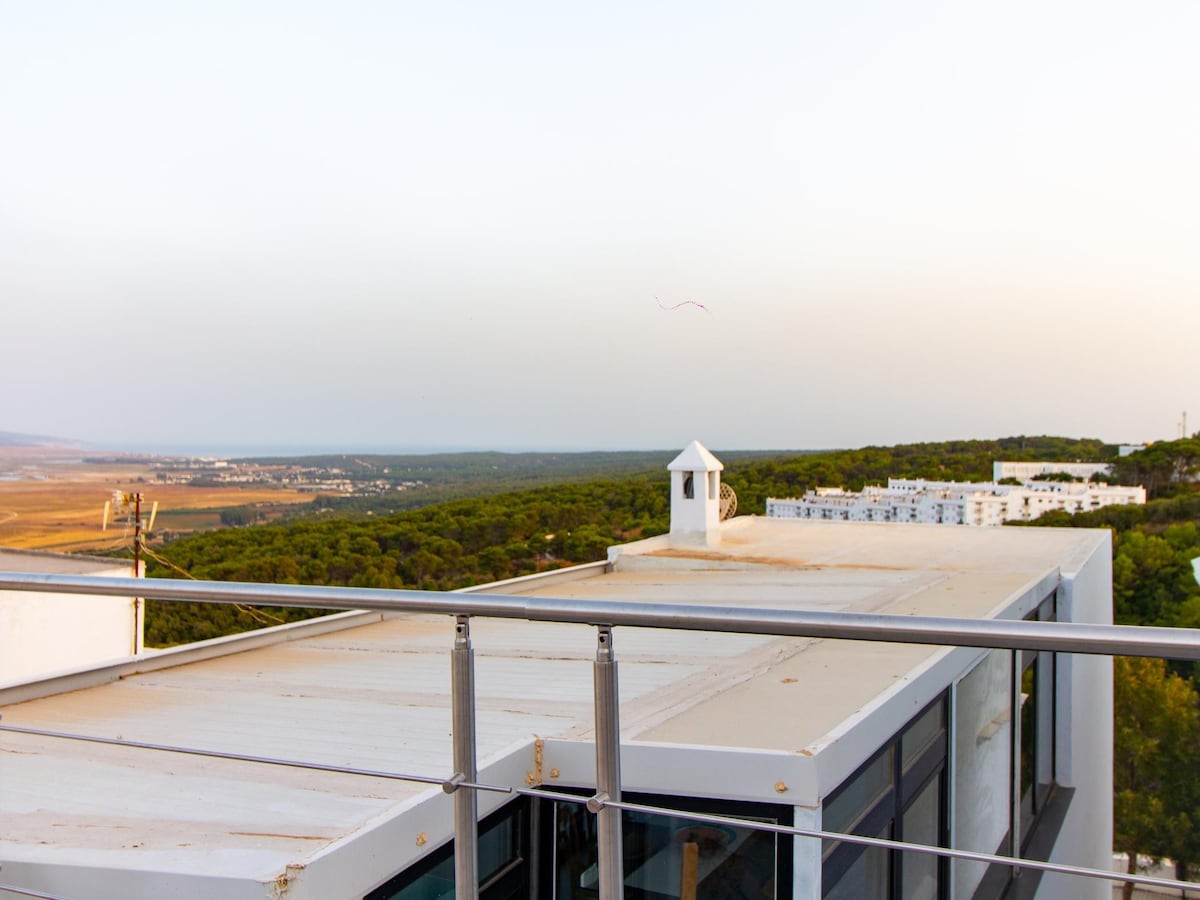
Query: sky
<point>523,225</point>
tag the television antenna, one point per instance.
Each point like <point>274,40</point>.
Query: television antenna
<point>131,505</point>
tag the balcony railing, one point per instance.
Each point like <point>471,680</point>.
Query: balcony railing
<point>606,803</point>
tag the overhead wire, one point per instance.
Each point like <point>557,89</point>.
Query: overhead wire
<point>258,615</point>
<point>263,618</point>
<point>449,785</point>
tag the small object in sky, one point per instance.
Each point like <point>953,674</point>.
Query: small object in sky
<point>682,303</point>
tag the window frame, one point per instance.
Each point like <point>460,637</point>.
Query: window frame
<point>886,813</point>
<point>782,814</point>
<point>512,879</point>
<point>1031,831</point>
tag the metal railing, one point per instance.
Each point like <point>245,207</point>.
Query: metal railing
<point>606,802</point>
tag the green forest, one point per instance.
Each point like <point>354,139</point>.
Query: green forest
<point>441,547</point>
<point>441,477</point>
<point>1156,759</point>
<point>485,538</point>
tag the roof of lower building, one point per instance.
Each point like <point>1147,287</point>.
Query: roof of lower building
<point>43,561</point>
<point>376,696</point>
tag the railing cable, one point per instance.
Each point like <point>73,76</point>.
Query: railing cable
<point>793,831</point>
<point>447,784</point>
<point>450,785</point>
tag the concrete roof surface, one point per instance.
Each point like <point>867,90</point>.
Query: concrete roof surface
<point>377,696</point>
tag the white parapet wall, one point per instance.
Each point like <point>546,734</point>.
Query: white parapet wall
<point>42,633</point>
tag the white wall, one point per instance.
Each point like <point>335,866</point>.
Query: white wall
<point>981,752</point>
<point>43,633</point>
<point>1085,736</point>
<point>1030,469</point>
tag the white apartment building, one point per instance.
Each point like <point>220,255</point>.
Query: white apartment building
<point>1027,470</point>
<point>951,502</point>
<point>955,746</point>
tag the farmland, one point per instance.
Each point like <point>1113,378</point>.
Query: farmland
<point>56,502</point>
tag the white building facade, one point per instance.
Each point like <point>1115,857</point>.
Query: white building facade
<point>952,503</point>
<point>1027,470</point>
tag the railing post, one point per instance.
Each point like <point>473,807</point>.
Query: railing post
<point>462,690</point>
<point>1014,808</point>
<point>608,768</point>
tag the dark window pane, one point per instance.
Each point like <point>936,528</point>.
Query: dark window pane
<point>921,733</point>
<point>499,845</point>
<point>730,862</point>
<point>436,884</point>
<point>1029,737</point>
<point>1037,737</point>
<point>859,796</point>
<point>575,855</point>
<point>1045,724</point>
<point>868,878</point>
<point>922,825</point>
<point>982,763</point>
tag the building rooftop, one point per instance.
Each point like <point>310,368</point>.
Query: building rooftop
<point>376,696</point>
<point>59,563</point>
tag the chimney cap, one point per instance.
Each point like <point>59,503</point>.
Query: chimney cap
<point>695,458</point>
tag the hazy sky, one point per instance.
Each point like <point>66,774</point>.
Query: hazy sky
<point>391,224</point>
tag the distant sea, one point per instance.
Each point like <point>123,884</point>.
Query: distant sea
<point>245,451</point>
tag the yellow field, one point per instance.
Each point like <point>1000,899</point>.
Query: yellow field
<point>59,506</point>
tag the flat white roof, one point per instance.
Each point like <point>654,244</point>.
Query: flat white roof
<point>43,562</point>
<point>377,696</point>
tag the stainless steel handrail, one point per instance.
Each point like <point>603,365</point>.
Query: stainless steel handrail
<point>1070,637</point>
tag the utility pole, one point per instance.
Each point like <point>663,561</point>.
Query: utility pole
<point>138,608</point>
<point>137,534</point>
<point>140,530</point>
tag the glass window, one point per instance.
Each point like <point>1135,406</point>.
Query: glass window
<point>922,824</point>
<point>900,793</point>
<point>576,859</point>
<point>500,847</point>
<point>660,851</point>
<point>503,862</point>
<point>920,734</point>
<point>982,764</point>
<point>435,884</point>
<point>988,706</point>
<point>857,797</point>
<point>869,876</point>
<point>1037,736</point>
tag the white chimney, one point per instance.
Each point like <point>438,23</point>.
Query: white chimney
<point>695,496</point>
